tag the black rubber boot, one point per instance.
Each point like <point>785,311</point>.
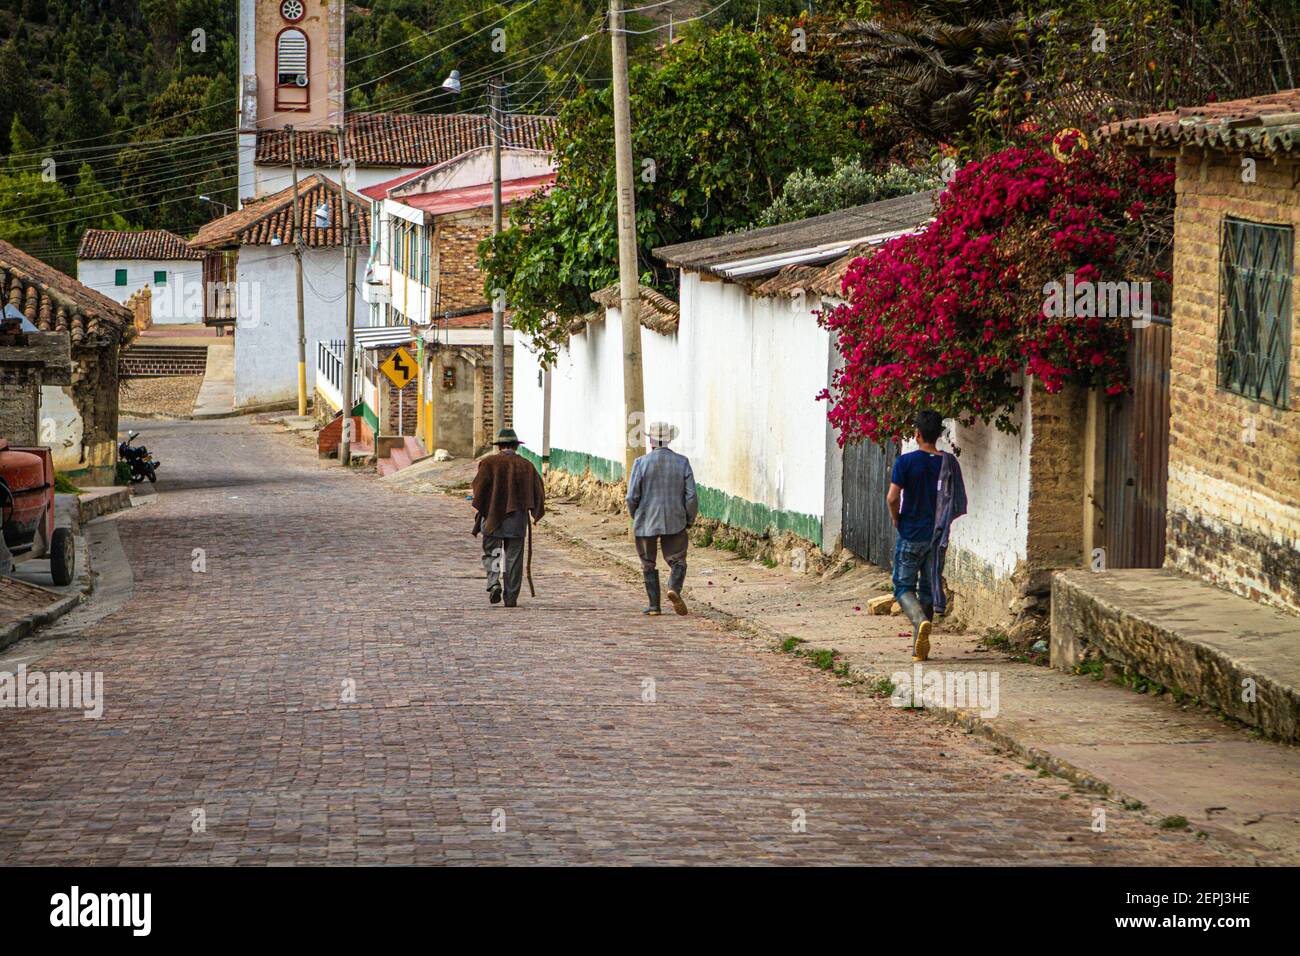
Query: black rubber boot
<point>675,581</point>
<point>929,612</point>
<point>652,592</point>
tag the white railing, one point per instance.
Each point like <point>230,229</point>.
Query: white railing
<point>329,372</point>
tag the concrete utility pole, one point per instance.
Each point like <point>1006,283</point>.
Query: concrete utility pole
<point>498,310</point>
<point>350,285</point>
<point>297,259</point>
<point>628,278</point>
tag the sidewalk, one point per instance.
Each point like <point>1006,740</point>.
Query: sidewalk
<point>1175,760</point>
<point>217,393</point>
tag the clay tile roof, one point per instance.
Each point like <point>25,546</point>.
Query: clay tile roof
<point>827,280</point>
<point>271,217</point>
<point>1268,125</point>
<point>658,312</point>
<point>55,302</point>
<point>148,244</point>
<point>403,139</point>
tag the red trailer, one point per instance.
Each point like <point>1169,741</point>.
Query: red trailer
<point>27,512</point>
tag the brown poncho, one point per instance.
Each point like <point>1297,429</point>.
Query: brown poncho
<point>507,483</point>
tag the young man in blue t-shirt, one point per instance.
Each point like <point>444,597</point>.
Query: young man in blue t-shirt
<point>913,495</point>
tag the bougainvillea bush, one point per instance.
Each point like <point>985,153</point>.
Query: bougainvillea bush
<point>950,318</point>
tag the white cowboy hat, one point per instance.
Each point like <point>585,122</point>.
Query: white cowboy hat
<point>662,432</point>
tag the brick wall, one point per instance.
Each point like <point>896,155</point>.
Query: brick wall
<point>489,427</point>
<point>1055,529</point>
<point>1234,464</point>
<point>20,391</point>
<point>409,406</point>
<point>456,240</point>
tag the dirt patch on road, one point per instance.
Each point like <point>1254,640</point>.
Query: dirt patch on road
<point>170,396</point>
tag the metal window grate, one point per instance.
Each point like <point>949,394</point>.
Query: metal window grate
<point>1255,324</point>
<point>291,56</point>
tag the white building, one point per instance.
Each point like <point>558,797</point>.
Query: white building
<point>118,264</point>
<point>250,283</point>
<point>737,370</point>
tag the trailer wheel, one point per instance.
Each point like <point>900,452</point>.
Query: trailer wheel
<point>63,557</point>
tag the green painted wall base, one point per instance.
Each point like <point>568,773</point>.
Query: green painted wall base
<point>715,504</point>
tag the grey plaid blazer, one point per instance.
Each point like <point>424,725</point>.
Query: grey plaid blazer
<point>661,494</point>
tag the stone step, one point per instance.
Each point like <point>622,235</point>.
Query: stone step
<point>1233,653</point>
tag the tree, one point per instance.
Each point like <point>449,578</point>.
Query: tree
<point>718,124</point>
<point>935,63</point>
<point>806,193</point>
<point>948,318</point>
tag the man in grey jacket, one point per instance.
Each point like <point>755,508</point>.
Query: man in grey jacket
<point>661,499</point>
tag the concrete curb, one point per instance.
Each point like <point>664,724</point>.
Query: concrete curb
<point>15,632</point>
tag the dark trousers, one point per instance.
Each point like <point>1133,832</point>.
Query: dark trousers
<point>674,549</point>
<point>503,562</point>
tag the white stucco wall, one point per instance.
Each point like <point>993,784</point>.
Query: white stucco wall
<point>180,299</point>
<point>995,469</point>
<point>61,427</point>
<point>266,336</point>
<point>739,380</point>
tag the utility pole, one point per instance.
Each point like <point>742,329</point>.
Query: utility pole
<point>628,278</point>
<point>350,285</point>
<point>498,309</point>
<point>297,259</point>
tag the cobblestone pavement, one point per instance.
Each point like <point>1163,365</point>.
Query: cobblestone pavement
<point>226,736</point>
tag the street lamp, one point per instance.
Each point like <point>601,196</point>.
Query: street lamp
<point>225,210</point>
<point>452,83</point>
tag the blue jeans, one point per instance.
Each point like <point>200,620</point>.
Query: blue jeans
<point>912,569</point>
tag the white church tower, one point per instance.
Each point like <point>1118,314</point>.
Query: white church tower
<point>291,73</point>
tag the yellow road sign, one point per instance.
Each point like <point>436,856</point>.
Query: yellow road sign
<point>400,368</point>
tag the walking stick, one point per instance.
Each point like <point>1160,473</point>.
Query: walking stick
<point>528,562</point>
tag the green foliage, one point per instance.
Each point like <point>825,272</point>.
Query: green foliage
<point>806,193</point>
<point>399,52</point>
<point>718,124</point>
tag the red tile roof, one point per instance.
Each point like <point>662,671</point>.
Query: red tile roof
<point>475,197</point>
<point>380,190</point>
<point>1269,125</point>
<point>147,244</point>
<point>403,139</point>
<point>271,217</point>
<point>56,302</point>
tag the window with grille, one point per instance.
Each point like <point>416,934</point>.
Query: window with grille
<point>1256,265</point>
<point>291,58</point>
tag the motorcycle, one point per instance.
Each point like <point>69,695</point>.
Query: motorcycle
<point>142,463</point>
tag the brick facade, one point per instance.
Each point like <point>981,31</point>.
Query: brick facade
<point>456,275</point>
<point>1234,464</point>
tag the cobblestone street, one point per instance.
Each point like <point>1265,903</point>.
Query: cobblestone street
<point>227,704</point>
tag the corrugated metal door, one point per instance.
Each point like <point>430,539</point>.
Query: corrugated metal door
<point>868,530</point>
<point>1137,455</point>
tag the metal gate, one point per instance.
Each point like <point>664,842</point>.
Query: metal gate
<point>868,529</point>
<point>1137,455</point>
